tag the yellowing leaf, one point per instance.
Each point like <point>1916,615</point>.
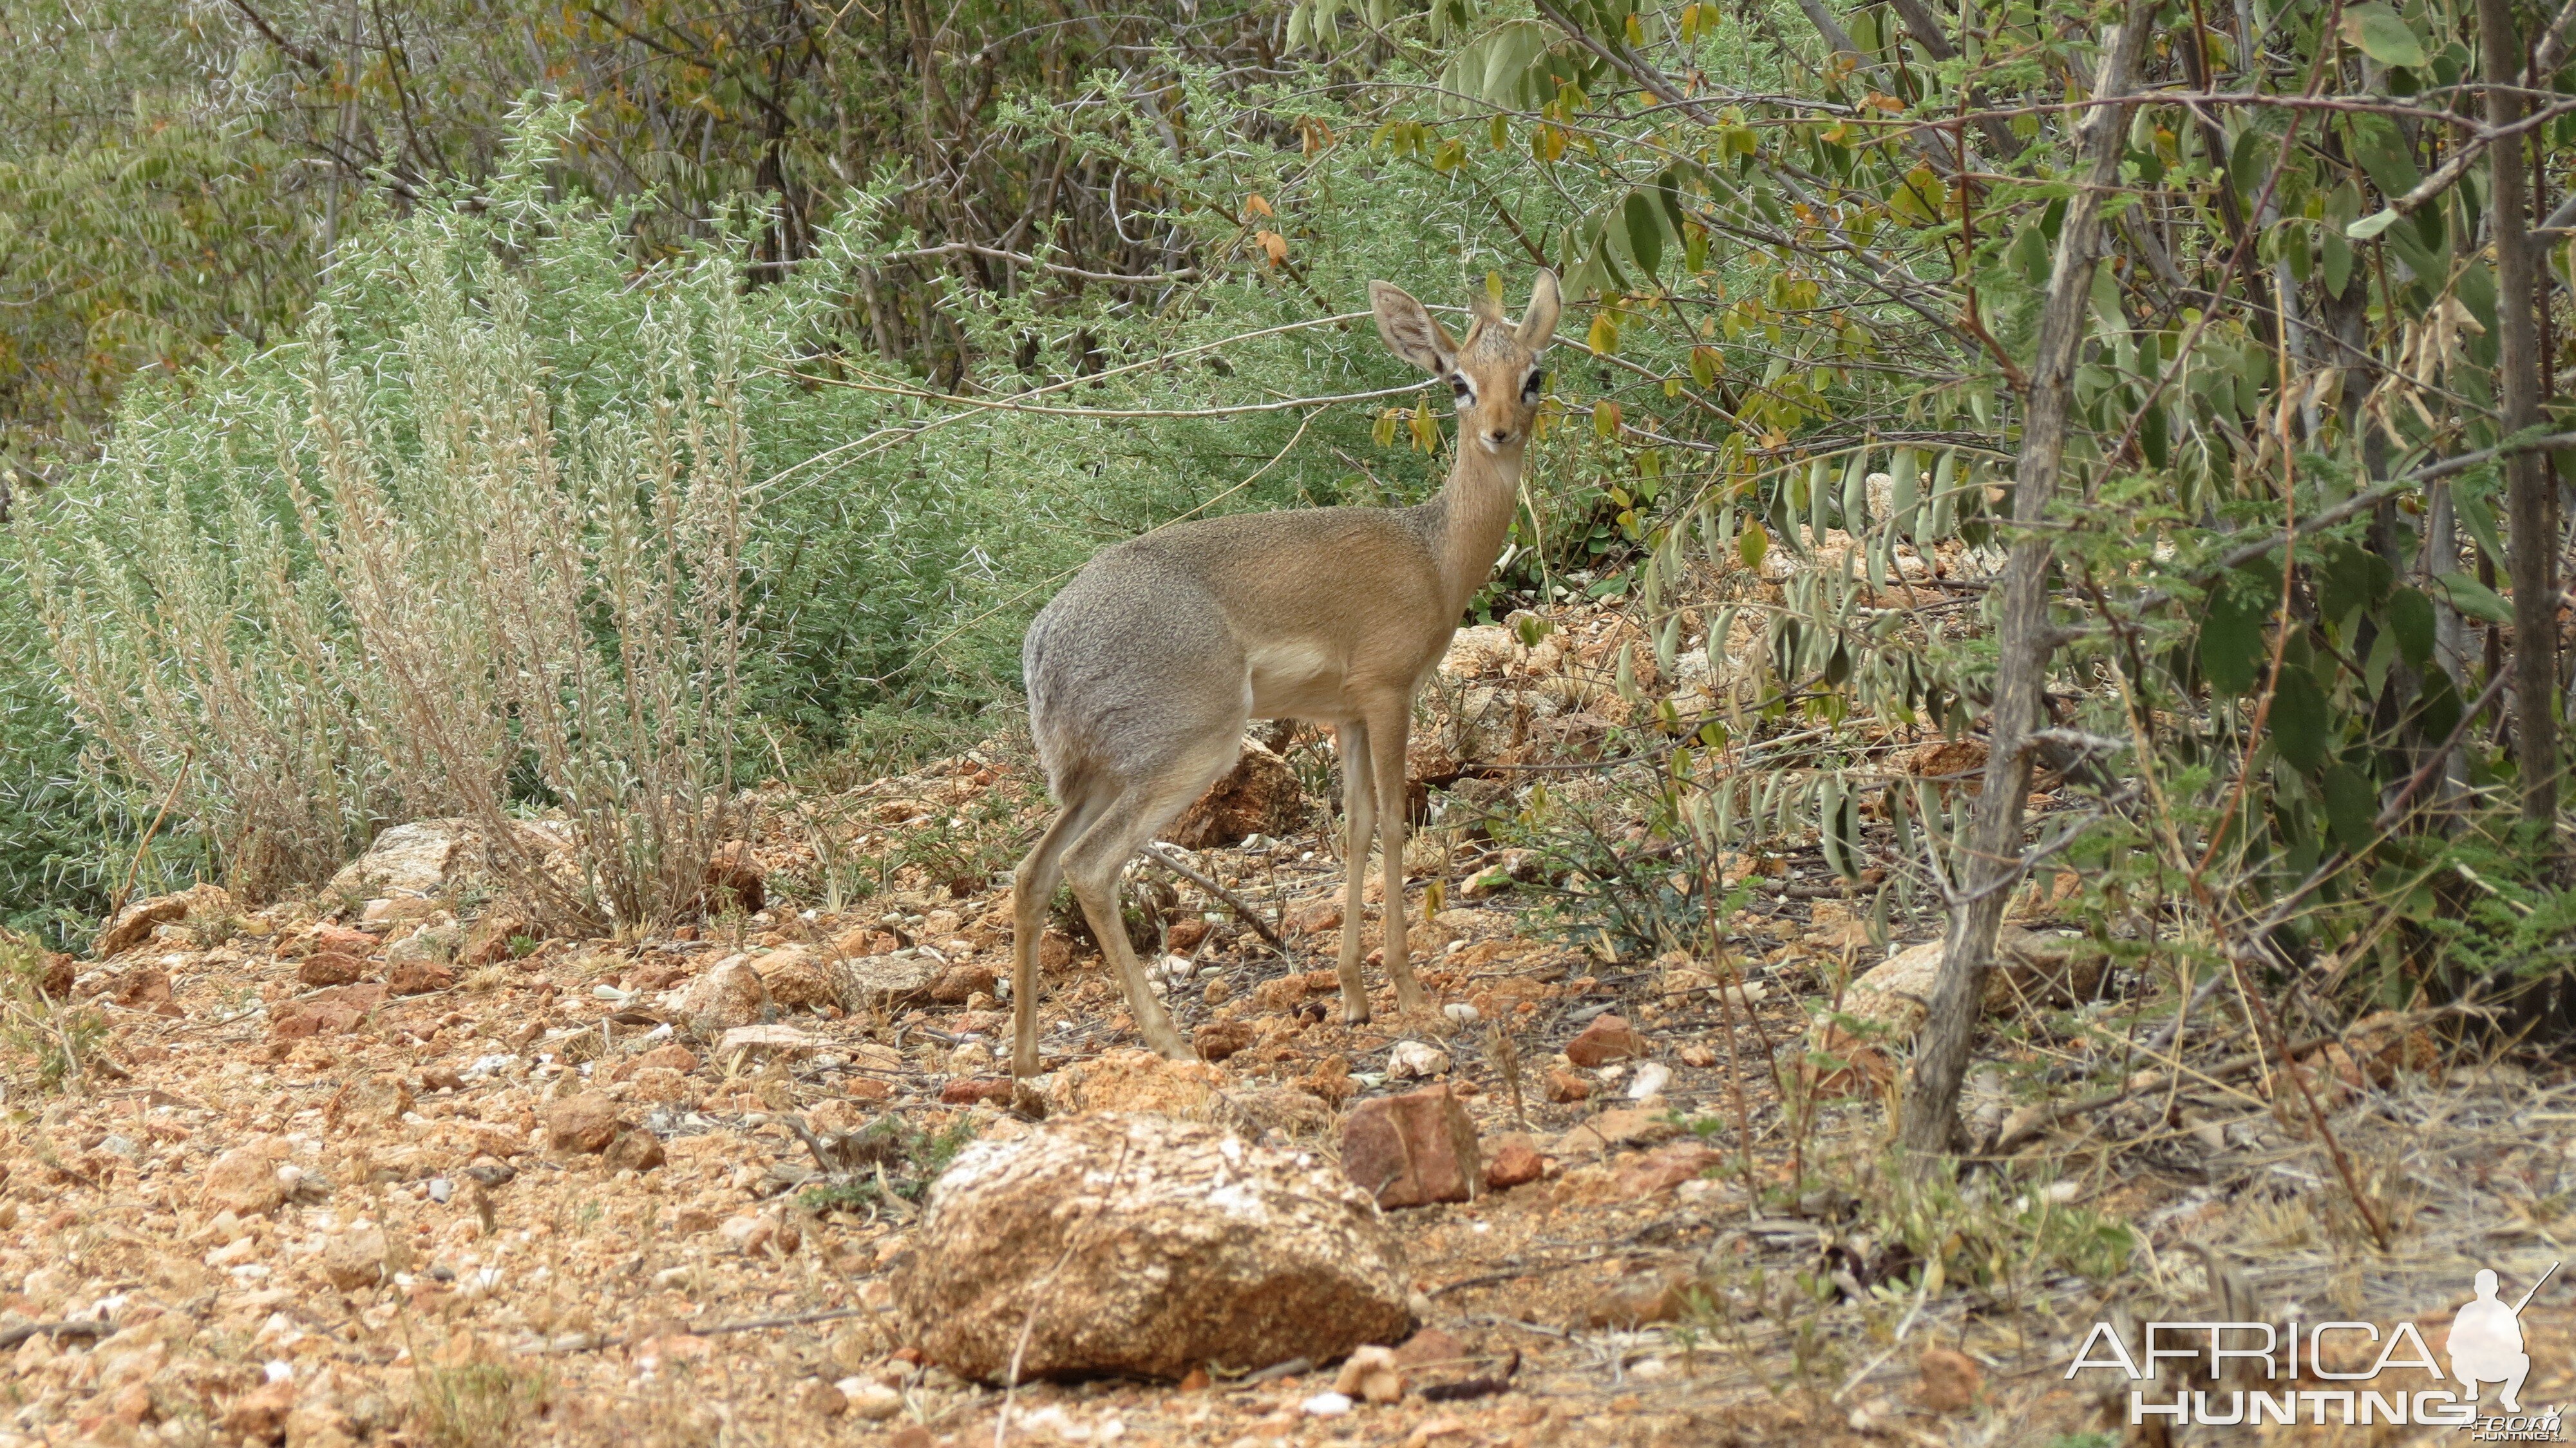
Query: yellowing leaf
<point>1605,419</point>
<point>1275,244</point>
<point>1752,544</point>
<point>1604,334</point>
<point>1254,205</point>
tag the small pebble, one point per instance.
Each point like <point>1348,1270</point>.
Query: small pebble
<point>1652,1078</point>
<point>1326,1405</point>
<point>1461,1012</point>
<point>441,1189</point>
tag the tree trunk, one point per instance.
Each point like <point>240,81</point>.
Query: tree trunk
<point>2532,557</point>
<point>1993,866</point>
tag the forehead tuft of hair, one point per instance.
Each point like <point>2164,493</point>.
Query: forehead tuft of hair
<point>1494,343</point>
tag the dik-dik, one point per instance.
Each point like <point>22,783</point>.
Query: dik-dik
<point>1143,672</point>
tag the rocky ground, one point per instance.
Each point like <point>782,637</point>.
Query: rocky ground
<point>389,1166</point>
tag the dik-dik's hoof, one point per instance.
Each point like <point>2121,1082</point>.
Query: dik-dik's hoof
<point>1355,1011</point>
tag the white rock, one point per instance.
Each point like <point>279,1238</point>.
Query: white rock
<point>1414,1060</point>
<point>1214,1249</point>
<point>1459,1011</point>
<point>771,1040</point>
<point>1652,1078</point>
<point>1326,1405</point>
<point>874,1402</point>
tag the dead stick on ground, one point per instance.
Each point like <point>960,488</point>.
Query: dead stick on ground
<point>755,1324</point>
<point>1165,856</point>
<point>145,848</point>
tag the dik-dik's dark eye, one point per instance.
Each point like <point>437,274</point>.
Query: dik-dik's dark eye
<point>1536,384</point>
<point>1466,390</point>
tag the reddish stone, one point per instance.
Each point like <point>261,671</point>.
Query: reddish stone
<point>637,1149</point>
<point>328,967</point>
<point>1185,935</point>
<point>1565,1086</point>
<point>364,997</point>
<point>1413,1149</point>
<point>961,983</point>
<point>1607,1039</point>
<point>1661,1169</point>
<point>141,988</point>
<point>583,1123</point>
<point>1516,1161</point>
<point>298,1019</point>
<point>1430,1347</point>
<point>419,977</point>
<point>968,1090</point>
<point>1315,916</point>
<point>672,1056</point>
<point>348,942</point>
<point>1219,1039</point>
<point>1951,1381</point>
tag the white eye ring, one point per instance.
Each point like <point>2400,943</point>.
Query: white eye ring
<point>1466,392</point>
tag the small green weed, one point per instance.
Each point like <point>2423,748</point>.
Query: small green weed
<point>479,1404</point>
<point>38,1032</point>
<point>887,1158</point>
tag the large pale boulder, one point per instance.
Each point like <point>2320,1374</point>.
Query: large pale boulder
<point>426,857</point>
<point>412,859</point>
<point>1138,1245</point>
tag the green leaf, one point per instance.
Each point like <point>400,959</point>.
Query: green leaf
<point>1756,541</point>
<point>2351,804</point>
<point>2437,705</point>
<point>2410,618</point>
<point>2352,578</point>
<point>2474,503</point>
<point>2474,598</point>
<point>1645,232</point>
<point>2338,260</point>
<point>2300,722</point>
<point>2382,34</point>
<point>2231,643</point>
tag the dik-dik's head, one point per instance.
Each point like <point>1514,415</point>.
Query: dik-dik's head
<point>1494,370</point>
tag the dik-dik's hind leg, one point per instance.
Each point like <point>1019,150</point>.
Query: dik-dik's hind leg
<point>1359,817</point>
<point>1387,766</point>
<point>1032,887</point>
<point>1092,865</point>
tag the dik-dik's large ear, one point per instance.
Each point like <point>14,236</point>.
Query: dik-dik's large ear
<point>1538,324</point>
<point>1409,331</point>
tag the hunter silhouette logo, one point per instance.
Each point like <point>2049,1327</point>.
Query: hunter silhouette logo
<point>2486,1340</point>
<point>2403,1383</point>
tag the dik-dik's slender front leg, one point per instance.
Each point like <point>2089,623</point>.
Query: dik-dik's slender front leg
<point>1387,735</point>
<point>1359,816</point>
